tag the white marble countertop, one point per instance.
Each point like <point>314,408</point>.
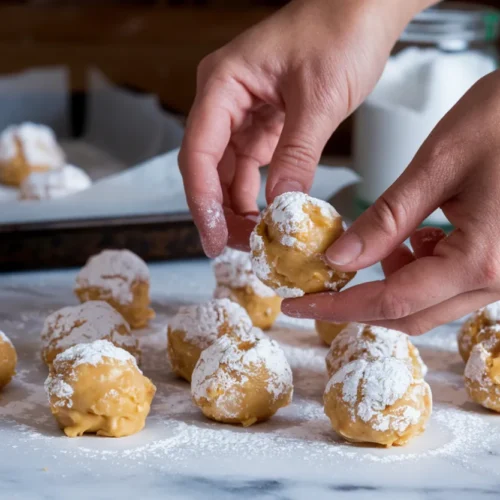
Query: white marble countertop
<point>181,455</point>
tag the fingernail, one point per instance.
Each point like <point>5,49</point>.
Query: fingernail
<point>285,186</point>
<point>252,217</point>
<point>345,250</point>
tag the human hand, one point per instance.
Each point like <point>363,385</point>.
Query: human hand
<point>274,95</point>
<point>446,277</point>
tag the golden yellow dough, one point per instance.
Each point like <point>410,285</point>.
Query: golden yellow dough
<point>26,149</point>
<point>8,360</point>
<point>196,327</point>
<point>242,381</point>
<point>236,281</point>
<point>359,341</point>
<point>482,325</point>
<point>120,278</point>
<point>377,402</point>
<point>289,242</point>
<point>85,323</point>
<point>263,311</point>
<point>482,374</point>
<point>328,331</point>
<point>98,388</point>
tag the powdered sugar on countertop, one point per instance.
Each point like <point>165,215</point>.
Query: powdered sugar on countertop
<point>114,271</point>
<point>458,449</point>
<point>38,142</point>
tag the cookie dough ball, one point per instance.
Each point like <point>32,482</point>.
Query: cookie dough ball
<point>54,183</point>
<point>358,341</point>
<point>481,325</point>
<point>98,388</point>
<point>198,326</point>
<point>236,281</point>
<point>242,381</point>
<point>482,374</point>
<point>120,278</point>
<point>377,402</point>
<point>25,149</point>
<point>83,324</point>
<point>328,331</point>
<point>8,360</point>
<point>289,242</point>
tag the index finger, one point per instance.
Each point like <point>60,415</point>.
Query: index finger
<point>206,138</point>
<point>218,108</point>
<point>415,287</point>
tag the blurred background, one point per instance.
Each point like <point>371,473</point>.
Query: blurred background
<point>115,79</point>
<point>147,45</point>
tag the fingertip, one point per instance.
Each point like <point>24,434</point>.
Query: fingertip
<point>211,223</point>
<point>281,186</point>
<point>344,252</point>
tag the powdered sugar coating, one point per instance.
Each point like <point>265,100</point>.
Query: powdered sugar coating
<point>260,265</point>
<point>370,387</point>
<point>476,369</point>
<point>85,323</point>
<point>240,365</point>
<point>38,143</point>
<point>287,292</point>
<point>287,212</point>
<point>93,354</point>
<point>58,388</point>
<point>114,272</point>
<point>5,339</point>
<point>233,269</point>
<point>371,343</point>
<point>203,323</point>
<point>492,312</point>
<point>54,183</point>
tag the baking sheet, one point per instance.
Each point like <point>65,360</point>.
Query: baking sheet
<point>122,129</point>
<point>120,149</point>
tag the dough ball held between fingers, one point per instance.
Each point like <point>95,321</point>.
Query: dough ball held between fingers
<point>289,242</point>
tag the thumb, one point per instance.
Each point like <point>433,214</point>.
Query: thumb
<point>391,219</point>
<point>299,148</point>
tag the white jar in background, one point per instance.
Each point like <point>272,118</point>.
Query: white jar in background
<point>442,53</point>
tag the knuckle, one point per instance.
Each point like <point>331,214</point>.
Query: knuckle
<point>489,271</point>
<point>388,215</point>
<point>298,156</point>
<point>392,306</point>
<point>415,327</point>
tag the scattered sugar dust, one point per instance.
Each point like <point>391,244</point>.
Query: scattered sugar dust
<point>177,435</point>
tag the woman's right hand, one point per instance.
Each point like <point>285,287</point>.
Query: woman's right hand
<point>274,95</point>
